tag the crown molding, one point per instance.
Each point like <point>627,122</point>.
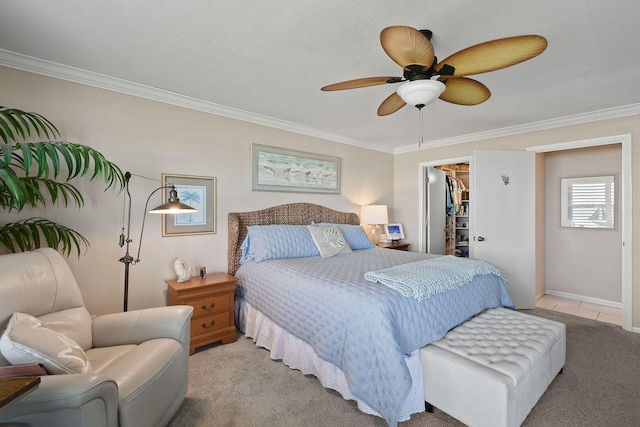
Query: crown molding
<point>577,119</point>
<point>64,72</point>
<point>77,75</point>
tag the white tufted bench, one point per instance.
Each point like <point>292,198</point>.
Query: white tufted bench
<point>491,370</point>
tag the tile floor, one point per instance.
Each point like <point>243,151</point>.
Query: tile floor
<point>601,313</point>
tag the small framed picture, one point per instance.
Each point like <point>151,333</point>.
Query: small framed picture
<point>394,232</point>
<point>199,192</point>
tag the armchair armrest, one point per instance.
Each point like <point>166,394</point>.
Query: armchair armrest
<point>136,327</point>
<point>67,399</point>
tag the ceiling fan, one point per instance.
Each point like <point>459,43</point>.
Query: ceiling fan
<point>425,78</point>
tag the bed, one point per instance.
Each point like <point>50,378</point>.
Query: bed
<point>321,316</point>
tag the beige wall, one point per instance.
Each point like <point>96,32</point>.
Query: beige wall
<point>150,138</point>
<point>579,261</point>
<point>406,173</point>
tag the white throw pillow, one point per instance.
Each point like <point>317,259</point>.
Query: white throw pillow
<point>27,340</point>
<point>329,240</point>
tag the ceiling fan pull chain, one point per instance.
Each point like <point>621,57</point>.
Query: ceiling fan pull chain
<point>421,128</point>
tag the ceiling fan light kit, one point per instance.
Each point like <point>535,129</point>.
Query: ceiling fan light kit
<point>421,92</point>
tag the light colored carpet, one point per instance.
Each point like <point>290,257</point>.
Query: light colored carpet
<point>239,385</point>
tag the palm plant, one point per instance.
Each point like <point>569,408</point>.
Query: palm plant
<point>37,173</point>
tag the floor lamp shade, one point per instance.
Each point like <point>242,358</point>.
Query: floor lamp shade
<point>173,205</point>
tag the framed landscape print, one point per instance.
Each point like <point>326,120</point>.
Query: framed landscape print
<point>281,169</point>
<point>199,192</point>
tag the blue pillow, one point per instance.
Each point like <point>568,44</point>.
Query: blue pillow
<point>355,236</point>
<point>279,241</point>
<point>247,251</point>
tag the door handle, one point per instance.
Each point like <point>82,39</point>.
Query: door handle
<point>480,239</point>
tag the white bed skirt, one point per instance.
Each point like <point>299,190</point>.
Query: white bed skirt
<point>299,355</point>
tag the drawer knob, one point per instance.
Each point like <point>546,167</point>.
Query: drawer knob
<point>204,325</point>
<point>204,306</point>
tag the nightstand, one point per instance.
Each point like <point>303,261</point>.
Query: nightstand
<point>212,299</point>
<point>399,246</point>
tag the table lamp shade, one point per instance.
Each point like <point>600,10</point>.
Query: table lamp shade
<point>374,214</point>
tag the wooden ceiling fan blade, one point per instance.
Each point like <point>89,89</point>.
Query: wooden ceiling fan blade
<point>464,91</point>
<point>390,105</point>
<point>406,46</point>
<point>494,55</point>
<point>358,83</point>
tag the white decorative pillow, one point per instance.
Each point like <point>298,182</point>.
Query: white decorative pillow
<point>27,340</point>
<point>329,240</point>
<point>355,235</point>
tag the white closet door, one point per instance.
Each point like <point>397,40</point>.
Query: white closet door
<point>503,214</point>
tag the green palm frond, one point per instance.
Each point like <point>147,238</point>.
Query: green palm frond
<point>34,173</point>
<point>45,161</point>
<point>13,191</point>
<point>27,235</point>
<point>42,191</point>
<point>16,123</point>
<point>50,158</point>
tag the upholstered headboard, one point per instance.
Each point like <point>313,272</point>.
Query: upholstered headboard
<point>292,213</point>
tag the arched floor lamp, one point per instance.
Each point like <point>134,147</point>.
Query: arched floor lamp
<point>172,207</point>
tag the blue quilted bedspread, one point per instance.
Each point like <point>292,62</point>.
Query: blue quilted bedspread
<point>364,328</point>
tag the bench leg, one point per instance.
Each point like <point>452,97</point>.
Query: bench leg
<point>428,407</point>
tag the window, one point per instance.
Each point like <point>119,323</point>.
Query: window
<point>588,202</point>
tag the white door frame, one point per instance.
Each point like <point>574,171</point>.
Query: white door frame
<point>422,201</point>
<point>625,211</point>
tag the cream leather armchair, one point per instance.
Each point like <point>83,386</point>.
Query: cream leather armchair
<point>138,360</point>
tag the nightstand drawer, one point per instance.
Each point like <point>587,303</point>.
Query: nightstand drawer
<point>207,324</point>
<point>209,305</point>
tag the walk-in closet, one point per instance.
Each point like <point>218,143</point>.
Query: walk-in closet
<point>457,209</point>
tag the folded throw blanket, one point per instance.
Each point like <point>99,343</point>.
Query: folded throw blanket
<point>423,279</point>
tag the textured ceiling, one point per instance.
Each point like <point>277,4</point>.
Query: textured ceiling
<point>266,61</point>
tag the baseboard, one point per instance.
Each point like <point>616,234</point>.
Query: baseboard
<point>583,298</point>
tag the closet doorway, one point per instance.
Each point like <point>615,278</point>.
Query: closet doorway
<point>454,209</point>
<point>436,229</point>
<point>499,206</point>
